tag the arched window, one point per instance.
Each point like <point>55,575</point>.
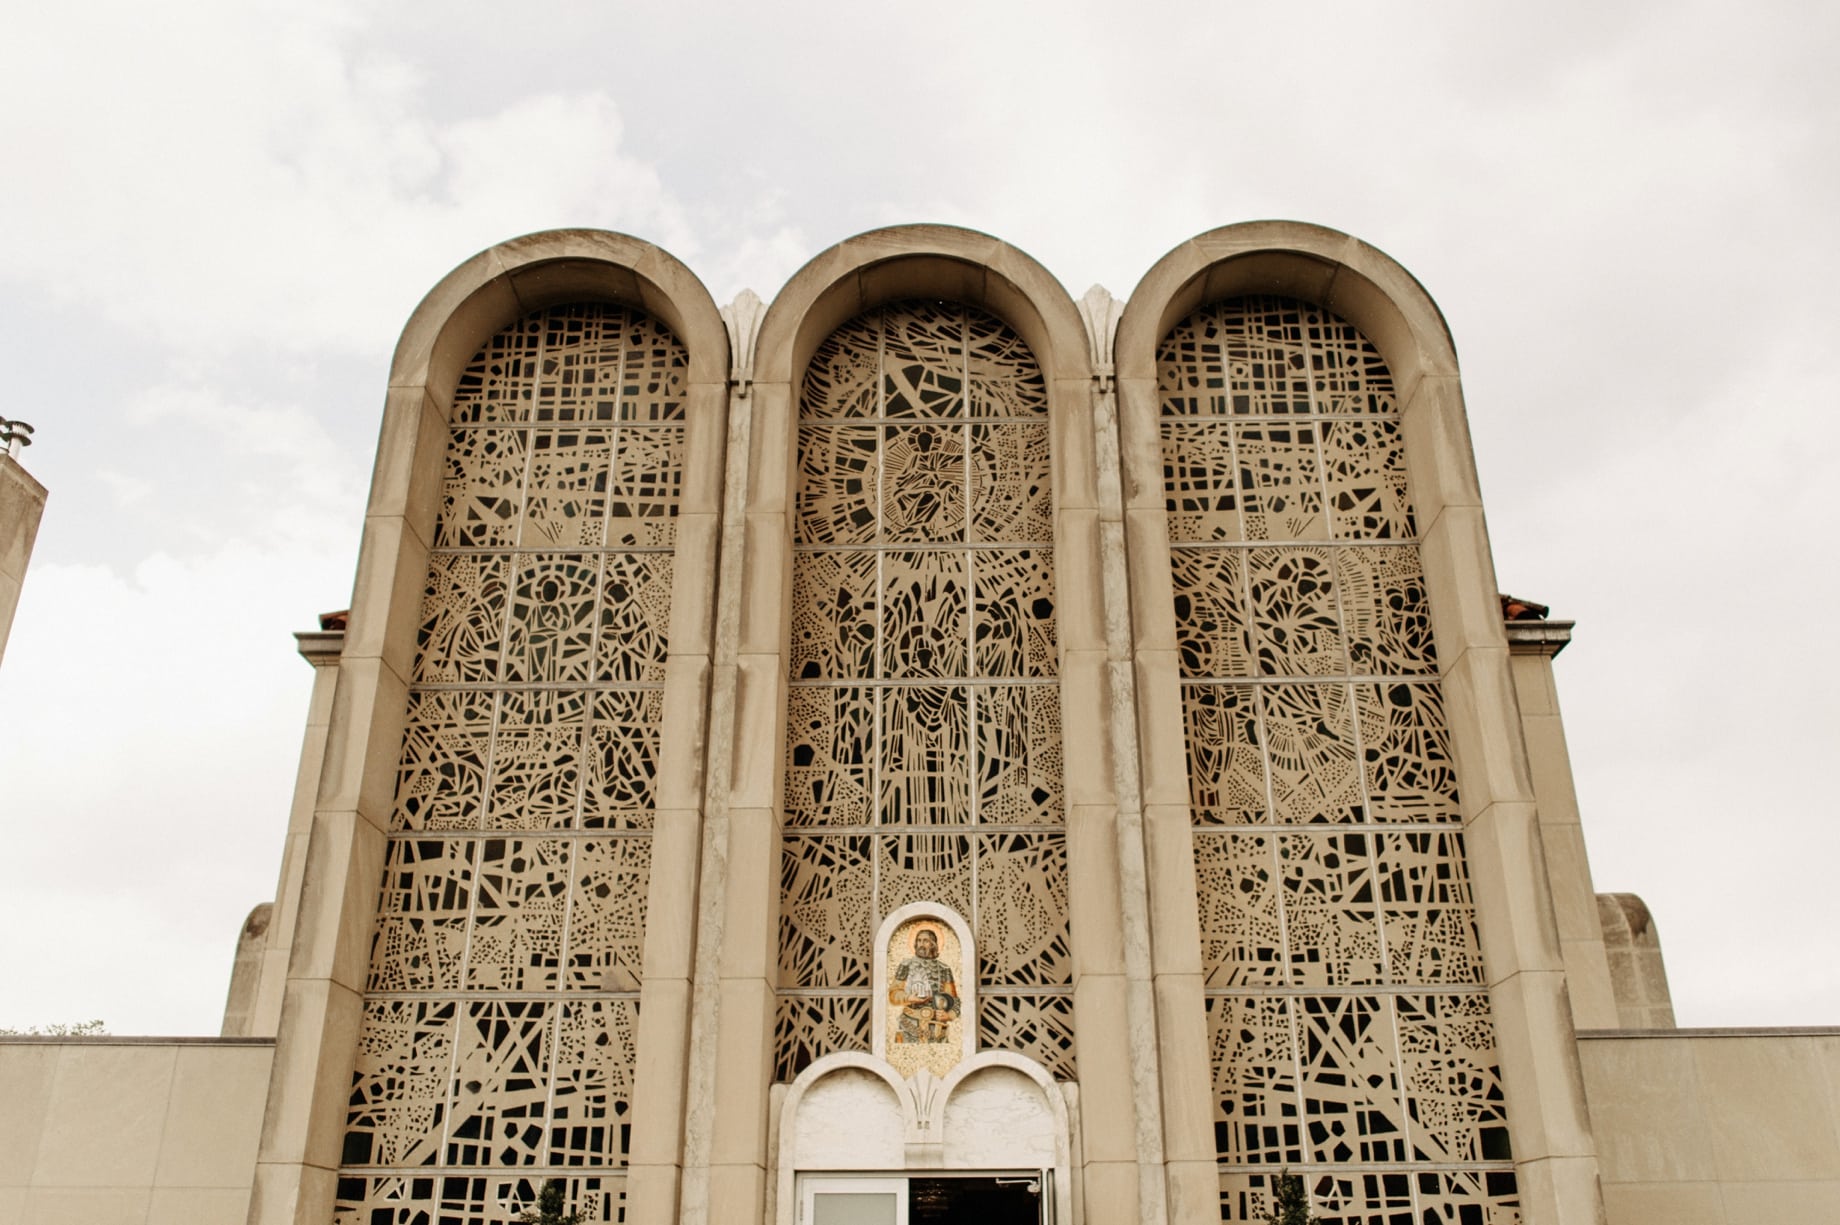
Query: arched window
<point>501,1006</point>
<point>1349,1026</point>
<point>923,742</point>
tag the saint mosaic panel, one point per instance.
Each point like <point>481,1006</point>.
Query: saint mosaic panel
<point>1350,1033</point>
<point>923,748</point>
<point>497,1044</point>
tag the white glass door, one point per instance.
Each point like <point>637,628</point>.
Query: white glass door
<point>852,1201</point>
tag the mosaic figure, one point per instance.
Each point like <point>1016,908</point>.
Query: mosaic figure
<point>923,987</point>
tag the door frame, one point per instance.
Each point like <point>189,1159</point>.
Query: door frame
<point>875,1181</point>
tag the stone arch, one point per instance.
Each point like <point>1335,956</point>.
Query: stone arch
<point>507,281</point>
<point>920,261</point>
<point>967,989</point>
<point>846,1111</point>
<point>850,282</point>
<point>1511,894</point>
<point>1356,281</point>
<point>321,1013</point>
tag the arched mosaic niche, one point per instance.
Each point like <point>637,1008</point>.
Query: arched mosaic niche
<point>496,1044</point>
<point>923,744</point>
<point>925,1000</point>
<point>1350,1031</point>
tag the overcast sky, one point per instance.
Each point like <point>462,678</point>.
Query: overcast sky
<point>219,214</point>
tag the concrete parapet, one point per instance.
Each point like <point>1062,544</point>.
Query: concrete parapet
<point>1638,974</point>
<point>110,1129</point>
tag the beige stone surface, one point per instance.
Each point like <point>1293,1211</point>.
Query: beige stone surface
<point>1193,1192</point>
<point>1539,1067</point>
<point>1575,905</point>
<point>658,1072</point>
<point>212,1117</point>
<point>105,1119</point>
<point>1079,613</point>
<point>1140,444</point>
<point>386,601</point>
<point>1169,859</point>
<point>291,1192</point>
<point>1441,464</point>
<point>1770,1118</point>
<point>1092,889</point>
<point>246,972</point>
<point>651,1194</point>
<point>1637,1091</point>
<point>1664,1204</point>
<point>765,608</point>
<point>1725,1127</point>
<point>1637,972</point>
<point>1587,976</point>
<point>1815,1199</point>
<point>1548,760</point>
<point>705,438</point>
<point>744,1062</point>
<point>693,584</point>
<point>363,741</point>
<point>1561,1190</point>
<point>757,777</point>
<point>407,476</point>
<point>1187,1089</point>
<point>737,1192</point>
<point>314,1050</point>
<point>22,505</point>
<point>1569,870</point>
<point>345,856</point>
<point>677,842</point>
<point>198,1206</point>
<point>681,732</point>
<point>85,1206</point>
<point>1153,617</point>
<point>1109,1189</point>
<point>28,1072</point>
<point>96,1130</point>
<point>752,884</point>
<point>471,302</point>
<point>22,501</point>
<point>266,1014</point>
<point>1106,1110</point>
<point>9,604</point>
<point>1085,696</point>
<point>1075,465</point>
<point>1162,740</point>
<point>1507,871</point>
<point>1485,729</point>
<point>1465,611</point>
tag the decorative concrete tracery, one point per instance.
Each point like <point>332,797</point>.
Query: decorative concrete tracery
<point>923,749</point>
<point>500,1022</point>
<point>1350,1034</point>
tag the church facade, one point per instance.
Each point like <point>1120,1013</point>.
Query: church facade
<point>932,749</point>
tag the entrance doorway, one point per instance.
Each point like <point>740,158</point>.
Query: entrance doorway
<point>932,1199</point>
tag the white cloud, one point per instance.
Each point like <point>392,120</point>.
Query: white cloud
<point>1623,211</point>
<point>277,182</point>
<point>152,728</point>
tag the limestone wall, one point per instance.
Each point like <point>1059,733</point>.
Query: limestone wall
<point>22,501</point>
<point>129,1131</point>
<point>1716,1127</point>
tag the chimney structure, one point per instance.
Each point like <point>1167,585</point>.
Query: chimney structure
<point>22,504</point>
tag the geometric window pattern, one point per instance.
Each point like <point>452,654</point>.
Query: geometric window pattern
<point>923,755</point>
<point>1350,1032</point>
<point>497,1041</point>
